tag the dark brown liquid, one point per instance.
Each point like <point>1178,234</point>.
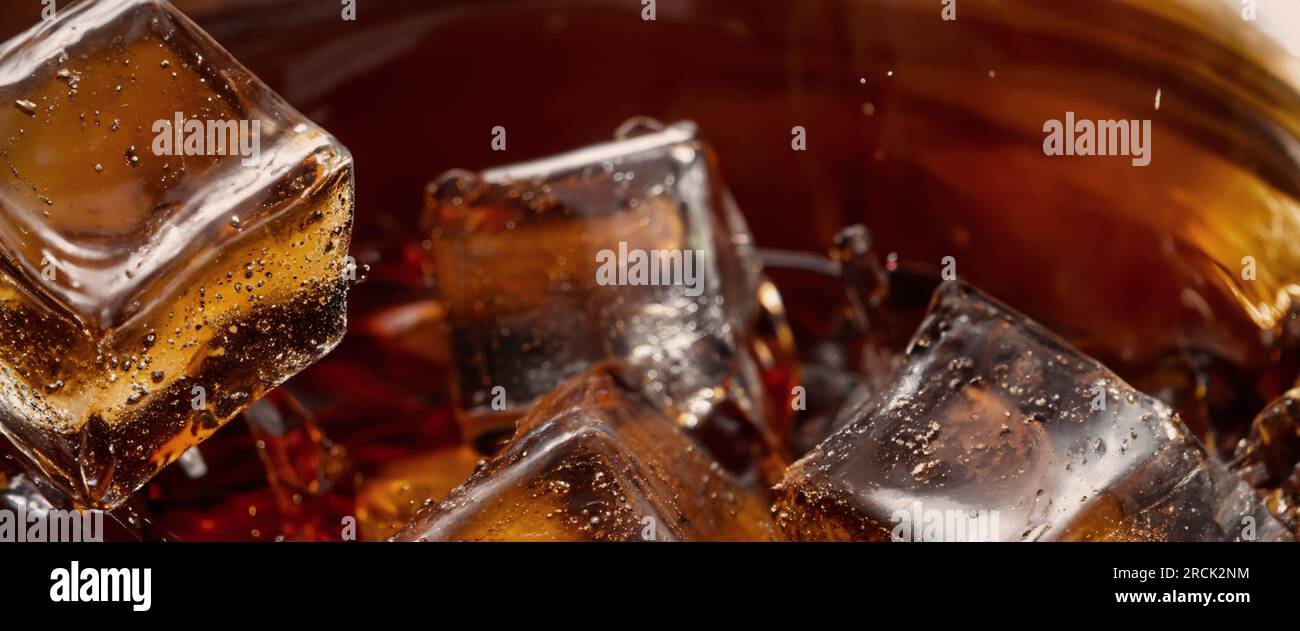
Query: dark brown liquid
<point>949,160</point>
<point>938,151</point>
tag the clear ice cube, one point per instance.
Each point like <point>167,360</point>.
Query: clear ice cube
<point>147,293</point>
<point>597,461</point>
<point>996,429</point>
<point>1269,458</point>
<point>517,257</point>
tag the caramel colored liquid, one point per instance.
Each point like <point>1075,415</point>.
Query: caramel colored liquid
<point>927,131</point>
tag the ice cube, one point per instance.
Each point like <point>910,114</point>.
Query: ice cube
<point>1269,458</point>
<point>996,429</point>
<point>32,509</point>
<point>149,293</point>
<point>595,460</point>
<point>538,266</point>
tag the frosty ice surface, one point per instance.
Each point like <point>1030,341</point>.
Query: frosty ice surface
<point>149,293</point>
<point>538,266</point>
<point>597,461</point>
<point>997,429</point>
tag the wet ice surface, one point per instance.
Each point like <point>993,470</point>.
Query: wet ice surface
<point>998,426</point>
<point>596,461</point>
<point>40,511</point>
<point>517,257</point>
<point>114,215</point>
<point>133,273</point>
<point>1269,458</point>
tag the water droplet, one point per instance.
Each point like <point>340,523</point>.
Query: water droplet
<point>637,126</point>
<point>26,107</point>
<point>69,77</point>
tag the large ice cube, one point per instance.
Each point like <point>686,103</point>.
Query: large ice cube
<point>135,274</point>
<point>536,263</point>
<point>997,429</point>
<point>596,461</point>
